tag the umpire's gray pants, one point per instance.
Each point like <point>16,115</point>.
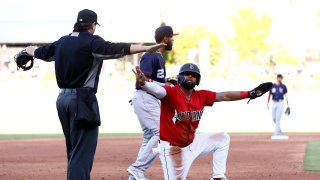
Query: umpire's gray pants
<point>277,110</point>
<point>147,109</point>
<point>81,141</point>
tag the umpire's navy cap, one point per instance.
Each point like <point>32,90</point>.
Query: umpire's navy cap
<point>87,16</point>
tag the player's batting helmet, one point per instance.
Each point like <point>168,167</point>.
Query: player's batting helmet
<point>189,67</point>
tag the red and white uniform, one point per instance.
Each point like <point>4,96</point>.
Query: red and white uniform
<point>179,117</point>
<point>179,144</point>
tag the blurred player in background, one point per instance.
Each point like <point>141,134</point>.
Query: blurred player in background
<point>146,106</point>
<point>278,93</point>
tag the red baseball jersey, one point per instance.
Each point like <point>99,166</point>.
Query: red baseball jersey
<point>179,118</point>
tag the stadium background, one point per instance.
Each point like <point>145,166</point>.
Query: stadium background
<point>232,41</point>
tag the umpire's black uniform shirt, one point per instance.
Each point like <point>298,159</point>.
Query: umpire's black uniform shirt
<point>78,59</point>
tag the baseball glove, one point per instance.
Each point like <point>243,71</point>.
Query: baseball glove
<point>260,90</point>
<point>22,59</point>
<point>172,80</point>
<point>287,111</point>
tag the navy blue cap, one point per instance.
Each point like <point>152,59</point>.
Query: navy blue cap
<point>279,76</point>
<point>87,16</point>
<point>164,31</point>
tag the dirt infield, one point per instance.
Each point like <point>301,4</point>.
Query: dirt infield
<point>252,156</point>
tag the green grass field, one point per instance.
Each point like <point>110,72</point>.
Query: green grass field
<point>28,136</point>
<point>312,157</point>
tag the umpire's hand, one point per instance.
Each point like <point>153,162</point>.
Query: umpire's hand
<point>155,48</point>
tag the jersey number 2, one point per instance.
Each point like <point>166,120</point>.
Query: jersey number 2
<point>160,73</point>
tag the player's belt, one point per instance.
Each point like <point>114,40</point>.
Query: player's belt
<point>277,100</point>
<point>68,91</point>
<point>164,143</point>
<point>152,95</point>
<point>147,93</point>
<point>167,144</point>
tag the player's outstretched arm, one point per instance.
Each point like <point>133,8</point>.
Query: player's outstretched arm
<point>231,95</point>
<point>136,48</point>
<point>152,88</point>
<point>238,95</point>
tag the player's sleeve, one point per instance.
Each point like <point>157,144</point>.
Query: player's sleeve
<point>208,97</point>
<point>104,50</point>
<point>147,65</point>
<point>155,90</point>
<point>46,52</point>
<point>169,91</point>
<point>285,89</point>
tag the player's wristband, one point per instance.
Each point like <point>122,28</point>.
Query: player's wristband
<point>244,94</point>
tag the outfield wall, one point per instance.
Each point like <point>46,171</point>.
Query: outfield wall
<point>29,107</point>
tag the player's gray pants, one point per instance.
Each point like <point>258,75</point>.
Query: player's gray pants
<point>81,141</point>
<point>277,110</point>
<point>147,109</point>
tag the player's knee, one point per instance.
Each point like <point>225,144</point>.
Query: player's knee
<point>227,138</point>
<point>155,132</point>
<point>223,138</point>
<point>151,133</point>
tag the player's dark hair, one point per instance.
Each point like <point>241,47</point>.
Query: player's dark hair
<point>81,27</point>
<point>158,38</point>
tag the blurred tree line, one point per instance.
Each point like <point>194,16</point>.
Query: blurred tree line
<point>189,38</point>
<point>249,41</point>
<point>250,33</point>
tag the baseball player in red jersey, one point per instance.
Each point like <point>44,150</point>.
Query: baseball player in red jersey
<point>181,111</point>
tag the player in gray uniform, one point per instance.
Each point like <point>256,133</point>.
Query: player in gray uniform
<point>278,92</point>
<point>147,106</point>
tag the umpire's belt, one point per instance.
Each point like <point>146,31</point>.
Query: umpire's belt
<point>68,91</point>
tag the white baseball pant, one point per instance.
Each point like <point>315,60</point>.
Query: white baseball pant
<point>176,161</point>
<point>277,110</point>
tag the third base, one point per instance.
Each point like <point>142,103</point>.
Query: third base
<point>279,137</point>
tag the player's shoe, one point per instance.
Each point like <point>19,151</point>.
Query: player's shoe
<point>137,174</point>
<point>218,179</point>
<point>131,177</point>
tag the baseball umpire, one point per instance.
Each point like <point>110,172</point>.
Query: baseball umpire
<point>78,60</point>
<point>278,92</point>
<point>147,106</point>
<point>181,111</point>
